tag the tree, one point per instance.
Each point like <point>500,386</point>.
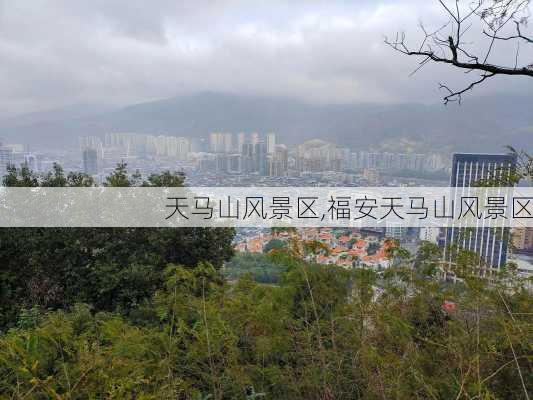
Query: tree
<point>274,244</point>
<point>497,21</point>
<point>165,179</point>
<point>55,178</point>
<point>256,265</point>
<point>79,179</point>
<point>428,258</point>
<point>108,268</point>
<point>524,168</point>
<point>23,177</point>
<point>119,177</point>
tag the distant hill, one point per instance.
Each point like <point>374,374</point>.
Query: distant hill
<point>480,124</point>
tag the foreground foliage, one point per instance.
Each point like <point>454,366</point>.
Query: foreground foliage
<point>109,268</point>
<point>322,333</point>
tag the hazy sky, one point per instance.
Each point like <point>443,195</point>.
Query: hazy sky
<point>61,52</point>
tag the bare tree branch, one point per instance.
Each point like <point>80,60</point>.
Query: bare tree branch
<point>457,95</point>
<point>518,35</point>
<point>494,15</point>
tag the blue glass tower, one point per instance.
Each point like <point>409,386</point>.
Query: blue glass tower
<point>489,240</point>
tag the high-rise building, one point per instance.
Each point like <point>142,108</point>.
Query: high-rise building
<point>271,143</point>
<point>248,157</point>
<point>523,239</point>
<point>90,161</point>
<point>221,163</point>
<point>15,153</point>
<point>5,159</point>
<point>166,146</point>
<point>260,158</point>
<point>317,156</point>
<point>278,162</point>
<point>241,139</point>
<point>199,144</point>
<point>489,239</point>
<point>371,176</point>
<point>395,161</point>
<point>254,138</point>
<point>235,164</point>
<point>395,231</point>
<point>92,142</point>
<point>228,142</point>
<point>216,142</point>
<point>220,142</point>
<point>429,234</point>
<point>33,162</point>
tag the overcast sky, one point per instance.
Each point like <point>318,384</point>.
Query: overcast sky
<point>63,52</point>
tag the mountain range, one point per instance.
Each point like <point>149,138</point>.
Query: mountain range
<point>480,124</point>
